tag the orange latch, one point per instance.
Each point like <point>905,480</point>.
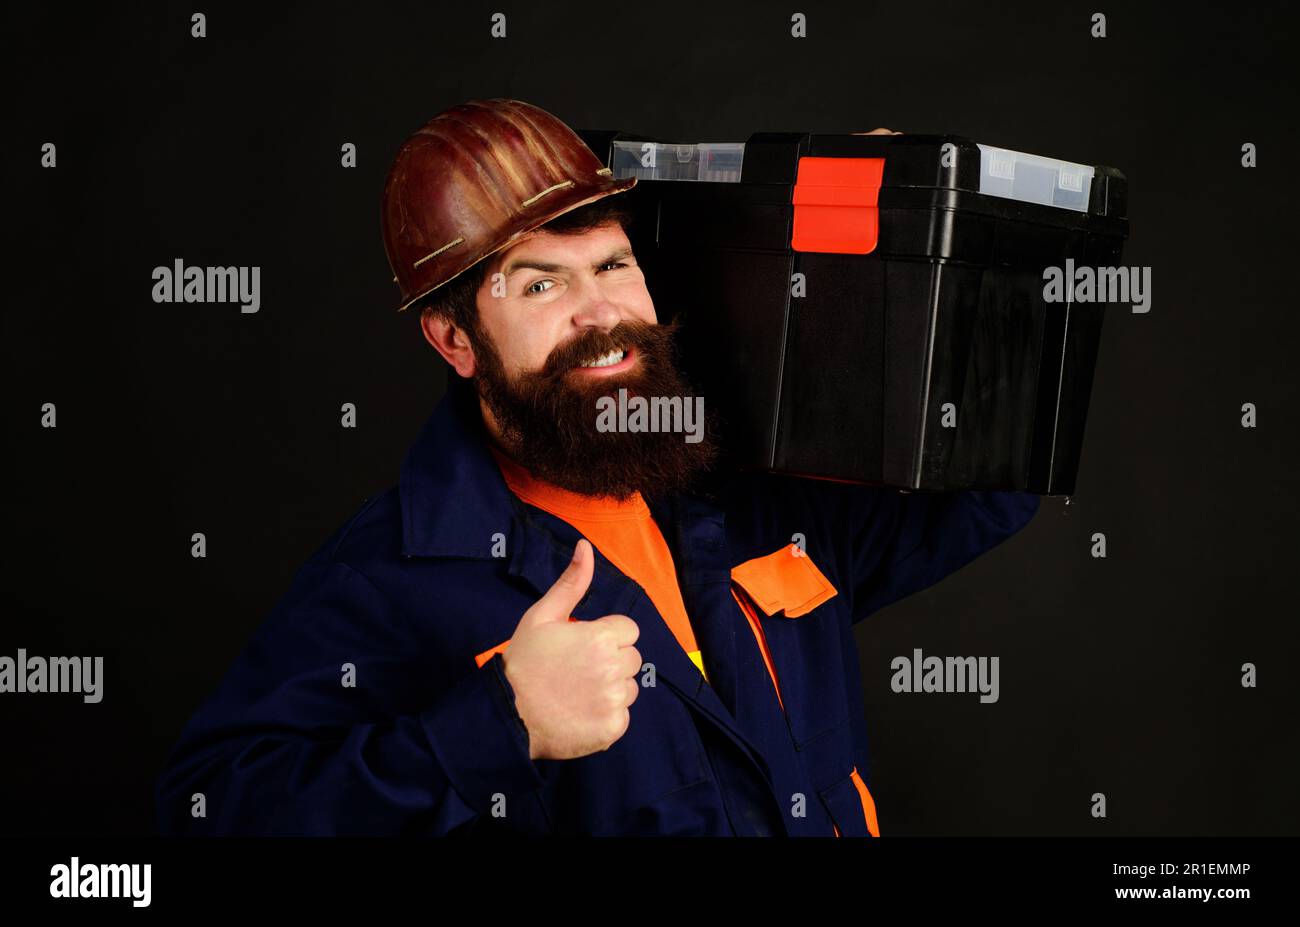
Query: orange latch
<point>835,208</point>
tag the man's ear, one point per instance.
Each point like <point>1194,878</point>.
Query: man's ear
<point>449,341</point>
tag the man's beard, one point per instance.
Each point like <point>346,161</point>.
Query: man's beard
<point>548,418</point>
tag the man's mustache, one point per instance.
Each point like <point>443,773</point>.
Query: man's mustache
<point>594,343</point>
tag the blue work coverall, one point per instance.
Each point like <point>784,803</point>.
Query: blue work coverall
<point>416,737</point>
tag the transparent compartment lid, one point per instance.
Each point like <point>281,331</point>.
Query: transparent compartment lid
<point>1029,178</point>
<point>715,162</point>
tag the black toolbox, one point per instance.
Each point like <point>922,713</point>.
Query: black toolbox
<point>872,308</point>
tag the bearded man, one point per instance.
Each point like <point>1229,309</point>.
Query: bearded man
<point>550,626</point>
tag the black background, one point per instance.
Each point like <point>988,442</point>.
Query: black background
<point>1118,675</point>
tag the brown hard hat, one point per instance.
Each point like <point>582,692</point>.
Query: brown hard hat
<point>473,180</point>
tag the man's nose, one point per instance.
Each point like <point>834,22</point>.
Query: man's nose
<point>597,311</point>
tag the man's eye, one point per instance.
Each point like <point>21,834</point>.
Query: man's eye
<point>614,264</point>
<point>538,283</point>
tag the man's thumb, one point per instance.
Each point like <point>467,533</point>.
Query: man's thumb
<point>568,589</point>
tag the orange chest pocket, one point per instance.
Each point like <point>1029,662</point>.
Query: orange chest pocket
<point>786,581</point>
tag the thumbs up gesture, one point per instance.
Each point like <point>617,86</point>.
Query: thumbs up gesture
<point>573,680</point>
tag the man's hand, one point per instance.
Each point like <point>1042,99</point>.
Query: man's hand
<point>877,132</point>
<point>573,680</point>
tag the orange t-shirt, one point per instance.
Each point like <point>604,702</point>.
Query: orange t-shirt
<point>625,532</point>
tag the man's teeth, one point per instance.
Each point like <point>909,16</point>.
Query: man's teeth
<point>605,360</point>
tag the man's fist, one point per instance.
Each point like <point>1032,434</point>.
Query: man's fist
<point>573,680</point>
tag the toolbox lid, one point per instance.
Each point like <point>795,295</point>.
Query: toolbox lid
<point>1029,178</point>
<point>716,162</point>
<point>921,172</point>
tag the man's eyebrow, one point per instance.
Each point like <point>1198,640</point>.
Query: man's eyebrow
<point>526,264</point>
